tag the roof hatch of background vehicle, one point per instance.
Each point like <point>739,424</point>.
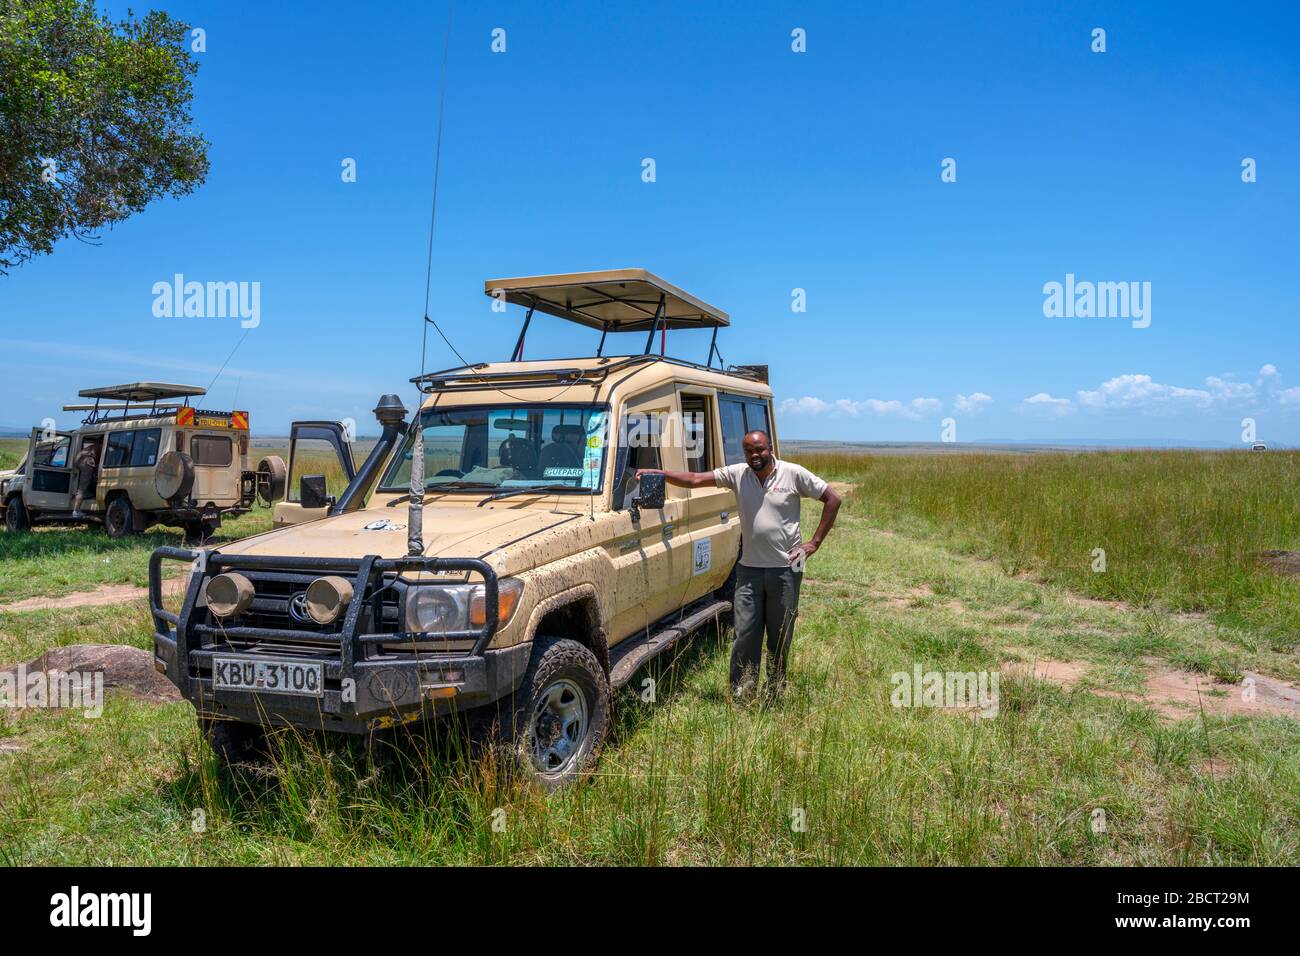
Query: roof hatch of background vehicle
<point>143,392</point>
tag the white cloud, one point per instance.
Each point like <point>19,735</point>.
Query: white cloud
<point>916,409</point>
<point>1135,392</point>
<point>806,405</point>
<point>1139,391</point>
<point>1044,405</point>
<point>972,404</point>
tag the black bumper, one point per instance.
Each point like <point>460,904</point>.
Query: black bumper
<point>366,687</point>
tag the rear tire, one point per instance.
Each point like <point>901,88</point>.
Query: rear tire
<point>119,519</point>
<point>16,520</point>
<point>235,744</point>
<point>560,713</point>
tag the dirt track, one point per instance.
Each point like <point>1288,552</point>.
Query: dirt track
<point>103,595</point>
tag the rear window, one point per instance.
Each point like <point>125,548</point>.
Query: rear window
<point>119,449</point>
<point>215,450</point>
<point>144,454</point>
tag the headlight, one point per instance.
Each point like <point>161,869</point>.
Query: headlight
<point>436,610</point>
<point>440,608</point>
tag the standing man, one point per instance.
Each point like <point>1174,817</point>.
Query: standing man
<point>772,553</point>
<point>84,466</point>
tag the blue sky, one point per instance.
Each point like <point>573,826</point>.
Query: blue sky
<point>775,171</point>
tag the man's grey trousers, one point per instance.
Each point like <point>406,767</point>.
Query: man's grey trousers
<point>767,601</point>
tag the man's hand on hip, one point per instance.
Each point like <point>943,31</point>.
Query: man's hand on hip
<point>800,553</point>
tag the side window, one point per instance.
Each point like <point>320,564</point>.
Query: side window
<point>756,417</point>
<point>732,413</point>
<point>118,454</point>
<point>52,454</point>
<point>696,432</point>
<point>144,454</point>
<point>638,447</point>
<point>214,450</point>
<point>740,416</point>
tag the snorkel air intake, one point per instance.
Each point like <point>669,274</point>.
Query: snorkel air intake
<point>391,414</point>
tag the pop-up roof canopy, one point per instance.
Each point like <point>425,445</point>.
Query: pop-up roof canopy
<point>143,392</point>
<point>617,300</point>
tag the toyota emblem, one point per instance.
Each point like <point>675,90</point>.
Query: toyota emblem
<point>298,608</point>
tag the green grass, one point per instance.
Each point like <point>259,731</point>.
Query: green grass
<point>53,560</point>
<point>693,779</point>
<point>1181,530</point>
<point>11,452</point>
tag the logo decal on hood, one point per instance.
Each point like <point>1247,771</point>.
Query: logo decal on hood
<point>384,524</point>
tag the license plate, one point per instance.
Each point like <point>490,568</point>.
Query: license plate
<point>276,677</point>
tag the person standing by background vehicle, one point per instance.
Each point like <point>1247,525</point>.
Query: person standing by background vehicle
<point>772,555</point>
<point>84,467</point>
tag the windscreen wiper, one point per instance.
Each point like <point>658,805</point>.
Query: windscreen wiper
<point>529,489</point>
<point>433,489</point>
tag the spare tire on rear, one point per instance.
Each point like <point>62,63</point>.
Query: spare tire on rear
<point>272,479</point>
<point>173,478</point>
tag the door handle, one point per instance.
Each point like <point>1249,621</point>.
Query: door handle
<point>668,531</point>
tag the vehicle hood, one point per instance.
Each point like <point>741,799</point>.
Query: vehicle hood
<point>455,531</point>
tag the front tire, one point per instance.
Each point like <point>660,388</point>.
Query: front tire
<point>16,519</point>
<point>235,744</point>
<point>561,713</point>
<point>119,520</point>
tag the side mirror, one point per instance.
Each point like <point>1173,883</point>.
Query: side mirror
<point>651,495</point>
<point>311,492</point>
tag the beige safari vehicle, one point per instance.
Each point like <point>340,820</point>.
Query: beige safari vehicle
<point>157,460</point>
<point>529,576</point>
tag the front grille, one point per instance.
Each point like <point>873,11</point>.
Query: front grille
<point>274,594</point>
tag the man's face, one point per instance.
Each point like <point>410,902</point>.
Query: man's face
<point>757,454</point>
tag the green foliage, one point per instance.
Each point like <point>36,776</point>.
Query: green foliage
<point>94,121</point>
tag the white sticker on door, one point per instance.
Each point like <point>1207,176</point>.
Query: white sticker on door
<point>703,556</point>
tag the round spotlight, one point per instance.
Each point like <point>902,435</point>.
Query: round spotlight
<point>327,598</point>
<point>229,594</point>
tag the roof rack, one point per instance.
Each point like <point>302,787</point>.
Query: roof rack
<point>143,392</point>
<point>136,397</point>
<point>615,300</point>
<point>467,377</point>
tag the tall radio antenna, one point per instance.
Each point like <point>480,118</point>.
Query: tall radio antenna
<point>415,511</point>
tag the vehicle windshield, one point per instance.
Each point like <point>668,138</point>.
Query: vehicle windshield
<point>507,446</point>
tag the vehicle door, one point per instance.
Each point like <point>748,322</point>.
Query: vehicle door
<point>651,552</point>
<point>133,455</point>
<point>713,524</point>
<point>321,452</point>
<point>49,474</point>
